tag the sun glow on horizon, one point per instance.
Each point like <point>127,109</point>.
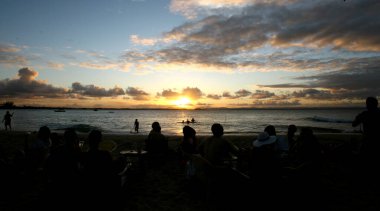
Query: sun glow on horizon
<point>182,102</point>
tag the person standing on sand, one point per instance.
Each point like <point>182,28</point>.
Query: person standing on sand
<point>7,121</point>
<point>370,119</point>
<point>137,126</point>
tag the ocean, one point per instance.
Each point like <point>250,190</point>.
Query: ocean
<point>234,121</point>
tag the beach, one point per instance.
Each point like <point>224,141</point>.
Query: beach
<point>166,187</point>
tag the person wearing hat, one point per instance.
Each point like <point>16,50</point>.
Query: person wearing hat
<point>264,139</point>
<point>265,164</point>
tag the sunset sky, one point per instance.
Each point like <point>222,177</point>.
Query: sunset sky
<point>189,53</point>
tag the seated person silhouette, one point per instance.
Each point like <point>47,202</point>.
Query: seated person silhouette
<point>101,180</point>
<point>156,143</point>
<point>216,149</point>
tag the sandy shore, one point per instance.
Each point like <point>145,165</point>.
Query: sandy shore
<point>166,188</point>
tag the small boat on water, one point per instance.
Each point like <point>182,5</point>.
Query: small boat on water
<point>60,110</point>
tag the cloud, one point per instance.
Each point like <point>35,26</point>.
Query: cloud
<point>276,103</point>
<point>27,86</point>
<point>242,93</point>
<point>169,94</point>
<point>9,48</point>
<point>98,66</point>
<point>358,78</point>
<point>228,95</point>
<point>11,58</point>
<point>238,94</point>
<point>192,8</point>
<point>137,94</point>
<point>95,91</point>
<point>54,65</point>
<point>192,92</point>
<point>214,96</point>
<point>232,41</point>
<point>262,94</point>
<point>313,94</point>
<point>135,39</point>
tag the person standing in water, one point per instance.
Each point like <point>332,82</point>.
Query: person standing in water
<point>136,126</point>
<point>7,120</point>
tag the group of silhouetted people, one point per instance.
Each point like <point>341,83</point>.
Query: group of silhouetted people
<point>85,179</point>
<point>91,176</point>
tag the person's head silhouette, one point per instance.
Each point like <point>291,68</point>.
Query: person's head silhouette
<point>270,130</point>
<point>188,131</point>
<point>156,127</point>
<point>371,103</point>
<point>217,130</point>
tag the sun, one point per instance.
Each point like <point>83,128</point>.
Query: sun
<point>182,102</point>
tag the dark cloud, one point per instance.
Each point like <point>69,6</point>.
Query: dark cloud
<point>238,94</point>
<point>27,86</point>
<point>276,103</point>
<point>214,96</point>
<point>286,85</point>
<point>228,95</point>
<point>136,94</point>
<point>215,40</point>
<point>262,94</point>
<point>169,94</point>
<point>95,91</point>
<point>356,79</point>
<point>313,94</point>
<point>242,93</point>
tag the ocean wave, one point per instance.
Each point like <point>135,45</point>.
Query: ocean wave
<point>326,119</point>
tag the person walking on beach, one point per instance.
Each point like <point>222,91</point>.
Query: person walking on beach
<point>136,126</point>
<point>7,121</point>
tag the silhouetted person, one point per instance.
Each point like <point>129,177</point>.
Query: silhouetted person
<point>270,129</point>
<point>187,147</point>
<point>285,143</point>
<point>63,168</point>
<point>7,120</point>
<point>192,120</point>
<point>137,126</point>
<point>309,154</point>
<point>187,121</point>
<point>55,141</point>
<point>101,181</point>
<point>189,143</point>
<point>216,149</point>
<point>369,152</point>
<point>39,149</point>
<point>370,120</point>
<point>156,142</point>
<point>264,168</point>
